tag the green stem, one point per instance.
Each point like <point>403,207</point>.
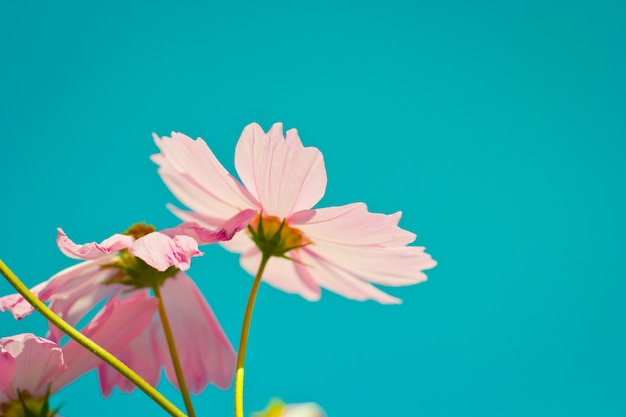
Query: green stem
<point>243,342</point>
<point>169,336</point>
<point>90,345</point>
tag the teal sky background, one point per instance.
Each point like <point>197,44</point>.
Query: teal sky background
<point>497,128</point>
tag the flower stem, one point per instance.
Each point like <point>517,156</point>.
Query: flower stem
<point>90,345</point>
<point>169,336</point>
<point>243,342</point>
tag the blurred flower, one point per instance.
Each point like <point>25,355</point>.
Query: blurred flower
<point>343,249</point>
<point>125,267</point>
<point>34,367</point>
<point>277,408</point>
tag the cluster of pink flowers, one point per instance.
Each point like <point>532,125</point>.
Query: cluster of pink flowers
<point>268,214</point>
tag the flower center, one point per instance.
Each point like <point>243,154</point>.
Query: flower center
<point>138,230</point>
<point>26,406</point>
<point>275,237</point>
<point>133,271</point>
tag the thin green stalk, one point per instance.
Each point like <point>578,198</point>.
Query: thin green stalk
<point>243,342</point>
<point>90,345</point>
<point>167,329</point>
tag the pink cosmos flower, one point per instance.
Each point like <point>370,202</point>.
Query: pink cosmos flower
<point>34,367</point>
<point>345,249</point>
<point>124,267</point>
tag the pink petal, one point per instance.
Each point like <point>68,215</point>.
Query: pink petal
<point>161,251</point>
<point>142,355</point>
<point>282,174</point>
<point>341,281</point>
<point>202,235</point>
<point>75,291</point>
<point>71,292</point>
<point>196,177</point>
<point>284,274</point>
<point>38,362</point>
<point>192,217</point>
<point>352,224</point>
<point>91,250</point>
<point>17,305</point>
<point>205,352</point>
<point>113,328</point>
<point>7,365</point>
<point>240,243</point>
<point>395,266</point>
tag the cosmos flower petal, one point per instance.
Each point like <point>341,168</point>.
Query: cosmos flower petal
<point>161,251</point>
<point>284,274</point>
<point>17,305</point>
<point>342,282</point>
<point>396,266</point>
<point>136,356</point>
<point>91,250</point>
<point>67,287</point>
<point>240,243</point>
<point>206,354</point>
<point>7,364</point>
<point>38,363</point>
<point>189,166</point>
<point>352,224</point>
<point>113,328</point>
<point>281,173</point>
<point>203,235</point>
<point>79,303</point>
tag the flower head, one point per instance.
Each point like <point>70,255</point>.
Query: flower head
<point>125,267</point>
<point>345,249</point>
<point>277,408</point>
<point>34,367</point>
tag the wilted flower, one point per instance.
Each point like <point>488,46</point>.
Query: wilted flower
<point>32,367</point>
<point>343,249</point>
<point>125,267</point>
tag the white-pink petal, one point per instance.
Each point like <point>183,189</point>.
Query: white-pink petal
<point>191,170</point>
<point>91,250</point>
<point>396,266</point>
<point>342,282</point>
<point>161,251</point>
<point>206,354</point>
<point>302,410</point>
<point>284,274</point>
<point>281,173</point>
<point>352,224</point>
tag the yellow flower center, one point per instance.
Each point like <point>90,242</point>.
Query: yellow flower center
<point>138,230</point>
<point>275,237</point>
<point>26,406</point>
<point>133,271</point>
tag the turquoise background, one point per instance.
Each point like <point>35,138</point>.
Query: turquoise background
<point>498,128</point>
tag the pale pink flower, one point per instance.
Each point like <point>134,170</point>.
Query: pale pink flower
<point>277,408</point>
<point>345,249</point>
<point>110,273</point>
<point>36,367</point>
